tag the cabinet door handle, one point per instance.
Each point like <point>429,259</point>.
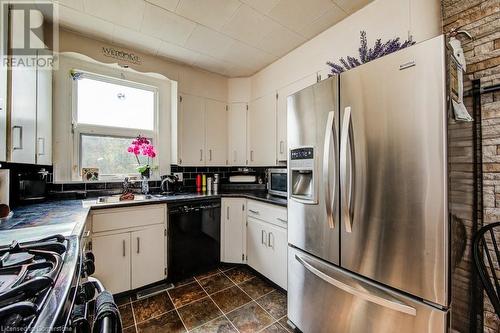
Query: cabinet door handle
<point>41,146</point>
<point>19,131</point>
<point>281,220</point>
<point>227,213</point>
<point>210,154</point>
<point>254,211</point>
<point>234,153</point>
<point>263,237</point>
<point>201,155</point>
<point>138,245</point>
<point>269,240</point>
<point>251,155</point>
<point>281,147</point>
<point>123,248</point>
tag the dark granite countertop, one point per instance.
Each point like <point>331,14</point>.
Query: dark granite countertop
<point>31,222</point>
<point>67,217</point>
<point>182,197</point>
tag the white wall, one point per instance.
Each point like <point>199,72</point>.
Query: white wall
<point>383,19</point>
<point>190,80</point>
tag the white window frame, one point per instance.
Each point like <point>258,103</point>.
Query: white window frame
<point>109,131</point>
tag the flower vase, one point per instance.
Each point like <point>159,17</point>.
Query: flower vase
<point>145,185</point>
<point>145,181</point>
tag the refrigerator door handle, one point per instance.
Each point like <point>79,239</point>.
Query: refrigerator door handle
<point>329,139</point>
<point>347,191</point>
<point>372,296</point>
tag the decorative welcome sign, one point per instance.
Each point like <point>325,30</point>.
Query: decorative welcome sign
<point>121,55</point>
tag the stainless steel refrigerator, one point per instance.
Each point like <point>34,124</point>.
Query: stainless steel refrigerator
<point>367,212</point>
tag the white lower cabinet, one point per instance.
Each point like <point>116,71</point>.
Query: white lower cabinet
<point>129,246</point>
<point>233,230</point>
<point>267,250</point>
<point>148,256</point>
<point>112,264</point>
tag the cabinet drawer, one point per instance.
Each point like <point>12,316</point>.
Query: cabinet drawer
<point>267,212</point>
<point>122,218</point>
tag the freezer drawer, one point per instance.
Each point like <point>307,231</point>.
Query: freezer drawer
<point>324,298</point>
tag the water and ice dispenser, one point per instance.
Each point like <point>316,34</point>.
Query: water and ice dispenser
<point>302,175</point>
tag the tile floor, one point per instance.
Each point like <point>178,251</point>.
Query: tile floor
<point>224,300</point>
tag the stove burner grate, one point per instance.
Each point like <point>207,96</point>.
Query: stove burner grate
<point>27,273</point>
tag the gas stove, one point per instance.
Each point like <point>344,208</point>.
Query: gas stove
<point>43,282</point>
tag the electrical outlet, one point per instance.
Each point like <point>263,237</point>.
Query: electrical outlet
<point>179,176</point>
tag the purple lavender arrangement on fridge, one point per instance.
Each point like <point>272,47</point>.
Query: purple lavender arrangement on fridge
<point>366,54</point>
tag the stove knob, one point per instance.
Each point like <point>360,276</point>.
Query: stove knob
<point>88,264</point>
<point>89,267</point>
<point>89,255</point>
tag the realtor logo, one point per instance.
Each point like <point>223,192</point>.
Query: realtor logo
<point>30,33</point>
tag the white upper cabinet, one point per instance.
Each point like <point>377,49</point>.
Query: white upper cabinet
<point>216,133</point>
<point>31,109</point>
<point>283,93</point>
<point>191,130</point>
<point>262,131</point>
<point>201,132</point>
<point>3,110</point>
<point>23,115</point>
<point>237,134</point>
<point>44,118</point>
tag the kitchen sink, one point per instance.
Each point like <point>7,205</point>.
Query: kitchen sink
<point>116,198</point>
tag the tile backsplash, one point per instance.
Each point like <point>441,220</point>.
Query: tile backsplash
<point>99,188</point>
<point>190,173</point>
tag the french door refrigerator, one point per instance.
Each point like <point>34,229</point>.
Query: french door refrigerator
<point>367,212</point>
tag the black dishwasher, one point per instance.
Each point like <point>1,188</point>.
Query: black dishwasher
<point>193,237</point>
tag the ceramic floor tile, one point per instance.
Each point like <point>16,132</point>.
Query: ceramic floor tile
<point>275,328</point>
<point>216,283</point>
<point>230,299</point>
<point>199,313</point>
<point>219,325</point>
<point>239,274</point>
<point>127,315</point>
<point>167,322</point>
<point>207,274</point>
<point>186,294</point>
<point>250,318</point>
<point>130,329</point>
<point>284,322</point>
<point>150,307</point>
<point>184,282</point>
<point>274,303</point>
<point>256,287</point>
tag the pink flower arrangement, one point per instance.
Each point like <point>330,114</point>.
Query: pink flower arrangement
<point>142,146</point>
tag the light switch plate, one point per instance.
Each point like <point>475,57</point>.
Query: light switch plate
<point>179,176</point>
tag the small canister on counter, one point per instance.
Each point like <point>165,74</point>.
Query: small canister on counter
<point>209,185</point>
<point>204,183</point>
<point>198,183</point>
<point>216,183</point>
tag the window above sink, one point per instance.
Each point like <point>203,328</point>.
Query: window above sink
<point>108,113</point>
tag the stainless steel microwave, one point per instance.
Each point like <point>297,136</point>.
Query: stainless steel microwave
<point>277,182</point>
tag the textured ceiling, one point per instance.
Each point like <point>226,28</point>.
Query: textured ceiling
<point>230,37</point>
